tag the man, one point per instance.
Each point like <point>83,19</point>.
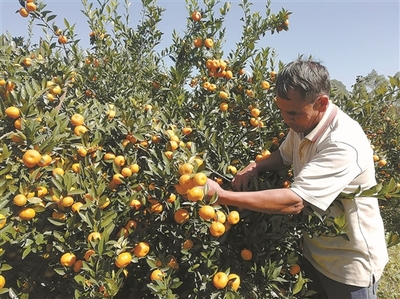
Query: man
<point>330,154</point>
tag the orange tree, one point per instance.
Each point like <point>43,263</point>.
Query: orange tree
<point>104,154</point>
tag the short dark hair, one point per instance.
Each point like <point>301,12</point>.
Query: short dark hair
<point>308,77</point>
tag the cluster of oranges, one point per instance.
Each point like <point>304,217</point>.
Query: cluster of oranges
<point>29,7</point>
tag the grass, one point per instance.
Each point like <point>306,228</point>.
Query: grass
<point>390,281</point>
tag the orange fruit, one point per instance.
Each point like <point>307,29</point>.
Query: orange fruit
<point>207,212</point>
<point>223,106</point>
<point>76,167</point>
<point>294,269</point>
<point>62,39</point>
<point>157,274</point>
<point>265,85</point>
<point>27,213</point>
<point>232,169</point>
<point>131,224</point>
<point>20,200</point>
<point>76,207</point>
<point>13,112</point>
<point>82,151</point>
<point>93,236</point>
<point>80,130</point>
<point>117,179</point>
<point>58,171</point>
<point>119,160</point>
<point>223,95</point>
<point>135,168</point>
<point>186,181</point>
<point>217,229</point>
<point>88,254</point>
<point>195,194</point>
<point>31,158</point>
<point>68,259</point>
<point>2,282</point>
<point>246,254</point>
<point>196,16</point>
<point>141,249</point>
<point>186,168</point>
<point>181,216</point>
<point>187,244</point>
<point>66,201</point>
<point>208,42</point>
<point>77,266</point>
<point>126,172</point>
<point>172,145</point>
<point>30,6</point>
<point>376,158</point>
<point>382,162</point>
<point>59,215</point>
<point>41,191</point>
<point>135,204</point>
<point>23,12</point>
<point>233,217</point>
<point>123,259</point>
<point>234,281</point>
<point>187,131</point>
<point>171,198</point>
<point>198,42</point>
<point>10,85</point>
<point>220,280</point>
<point>200,179</point>
<point>156,208</point>
<point>45,160</point>
<point>220,216</point>
<point>3,221</point>
<point>18,123</point>
<point>255,112</point>
<point>77,119</point>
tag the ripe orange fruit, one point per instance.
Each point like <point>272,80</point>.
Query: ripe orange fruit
<point>76,167</point>
<point>123,259</point>
<point>186,181</point>
<point>217,229</point>
<point>27,62</point>
<point>77,266</point>
<point>30,6</point>
<point>126,172</point>
<point>45,160</point>
<point>68,259</point>
<point>198,42</point>
<point>2,282</point>
<point>119,160</point>
<point>382,162</point>
<point>3,221</point>
<point>207,212</point>
<point>117,179</point>
<point>93,236</point>
<point>200,179</point>
<point>13,112</point>
<point>76,206</point>
<point>265,85</point>
<point>232,169</point>
<point>181,216</point>
<point>62,39</point>
<point>220,280</point>
<point>31,158</point>
<point>223,95</point>
<point>157,274</point>
<point>80,130</point>
<point>220,216</point>
<point>10,85</point>
<point>88,254</point>
<point>186,168</point>
<point>58,171</point>
<point>77,119</point>
<point>109,156</point>
<point>234,281</point>
<point>196,16</point>
<point>233,217</point>
<point>255,112</point>
<point>66,201</point>
<point>246,254</point>
<point>131,224</point>
<point>27,213</point>
<point>187,244</point>
<point>294,269</point>
<point>20,200</point>
<point>141,249</point>
<point>135,168</point>
<point>223,106</point>
<point>195,194</point>
<point>23,12</point>
<point>187,131</point>
<point>135,204</point>
<point>208,42</point>
<point>41,191</point>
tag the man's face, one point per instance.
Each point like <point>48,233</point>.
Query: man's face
<point>299,115</point>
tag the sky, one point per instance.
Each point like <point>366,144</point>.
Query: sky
<point>351,38</point>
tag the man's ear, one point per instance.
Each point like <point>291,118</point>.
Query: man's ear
<point>322,103</point>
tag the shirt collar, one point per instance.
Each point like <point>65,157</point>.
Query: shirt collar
<point>326,120</point>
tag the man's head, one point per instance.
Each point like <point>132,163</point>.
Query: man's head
<point>303,94</point>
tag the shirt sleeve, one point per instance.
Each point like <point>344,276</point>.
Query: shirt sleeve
<point>330,171</point>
